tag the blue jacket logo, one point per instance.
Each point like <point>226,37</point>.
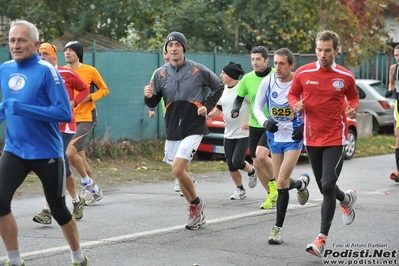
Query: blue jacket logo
<point>17,82</point>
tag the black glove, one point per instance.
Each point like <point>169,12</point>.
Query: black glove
<point>270,125</point>
<point>236,106</point>
<point>298,133</point>
<point>388,94</point>
<point>235,110</point>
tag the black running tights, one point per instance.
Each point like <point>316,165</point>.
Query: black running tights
<point>326,163</point>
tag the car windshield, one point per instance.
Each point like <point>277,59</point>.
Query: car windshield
<point>379,87</point>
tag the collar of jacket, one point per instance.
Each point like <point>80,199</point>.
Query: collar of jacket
<point>178,67</point>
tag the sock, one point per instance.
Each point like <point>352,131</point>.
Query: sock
<point>340,195</point>
<point>241,187</point>
<point>347,199</point>
<point>298,184</point>
<point>76,200</point>
<point>85,180</point>
<point>282,204</point>
<point>252,173</point>
<point>397,158</point>
<point>196,201</point>
<point>77,256</point>
<point>47,208</point>
<point>14,257</point>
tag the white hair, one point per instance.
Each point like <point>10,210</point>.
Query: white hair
<point>33,32</point>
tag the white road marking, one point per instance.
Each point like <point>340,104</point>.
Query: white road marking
<point>154,232</point>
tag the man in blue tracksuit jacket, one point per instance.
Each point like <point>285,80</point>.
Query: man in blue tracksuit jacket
<point>34,101</point>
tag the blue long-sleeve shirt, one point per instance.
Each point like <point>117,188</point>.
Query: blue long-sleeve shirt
<point>34,101</point>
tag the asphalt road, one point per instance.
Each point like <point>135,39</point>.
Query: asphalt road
<point>143,224</point>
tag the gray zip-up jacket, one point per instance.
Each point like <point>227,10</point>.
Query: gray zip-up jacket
<point>184,88</point>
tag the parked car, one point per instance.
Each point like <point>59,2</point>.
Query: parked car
<point>373,101</point>
<point>352,137</point>
<point>212,143</point>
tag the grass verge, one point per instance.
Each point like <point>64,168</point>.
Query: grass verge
<point>142,161</point>
<point>375,145</point>
<point>103,150</point>
<point>126,162</point>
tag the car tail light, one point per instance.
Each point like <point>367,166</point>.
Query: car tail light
<point>385,105</point>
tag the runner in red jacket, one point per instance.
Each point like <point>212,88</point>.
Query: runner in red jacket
<point>323,91</point>
<point>77,91</point>
<point>319,90</point>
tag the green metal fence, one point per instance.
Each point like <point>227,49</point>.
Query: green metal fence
<point>123,114</point>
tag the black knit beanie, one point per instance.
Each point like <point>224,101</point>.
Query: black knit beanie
<point>233,70</point>
<point>176,36</point>
<point>77,48</point>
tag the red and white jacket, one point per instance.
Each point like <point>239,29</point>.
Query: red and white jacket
<point>77,91</point>
<point>324,91</point>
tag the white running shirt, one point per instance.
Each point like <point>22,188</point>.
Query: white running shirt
<point>273,92</point>
<point>233,128</point>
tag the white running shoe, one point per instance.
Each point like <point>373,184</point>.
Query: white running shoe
<point>96,196</point>
<point>303,195</point>
<point>317,247</point>
<point>196,217</point>
<point>239,194</point>
<point>348,211</point>
<point>276,236</point>
<point>86,192</point>
<point>252,179</point>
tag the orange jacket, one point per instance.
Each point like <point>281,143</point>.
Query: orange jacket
<point>87,112</point>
